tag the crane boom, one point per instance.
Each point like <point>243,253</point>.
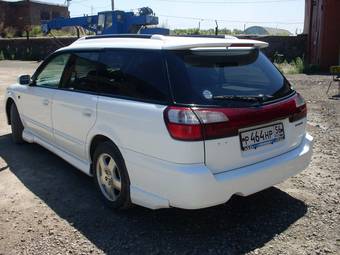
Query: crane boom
<point>111,22</point>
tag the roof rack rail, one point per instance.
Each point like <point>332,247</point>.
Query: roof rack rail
<point>149,36</point>
<point>203,36</point>
<point>141,36</point>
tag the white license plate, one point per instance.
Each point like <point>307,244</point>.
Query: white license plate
<point>255,138</point>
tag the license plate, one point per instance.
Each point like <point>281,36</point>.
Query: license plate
<point>255,138</point>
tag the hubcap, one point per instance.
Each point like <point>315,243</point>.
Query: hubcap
<point>108,176</point>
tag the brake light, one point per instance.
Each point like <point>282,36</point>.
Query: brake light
<point>182,124</point>
<point>188,124</point>
<point>214,123</point>
<point>299,100</point>
<point>208,117</point>
<point>301,109</point>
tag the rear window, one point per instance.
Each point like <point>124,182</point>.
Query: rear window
<point>197,76</point>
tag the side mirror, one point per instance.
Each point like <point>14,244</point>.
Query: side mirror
<point>24,79</point>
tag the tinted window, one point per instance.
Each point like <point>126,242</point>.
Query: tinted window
<point>52,72</point>
<point>81,72</point>
<point>197,76</point>
<point>133,74</point>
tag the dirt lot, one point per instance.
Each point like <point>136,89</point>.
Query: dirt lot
<point>48,207</point>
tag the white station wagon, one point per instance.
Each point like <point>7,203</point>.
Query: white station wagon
<point>163,121</point>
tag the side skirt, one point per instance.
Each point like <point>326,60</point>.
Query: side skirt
<point>77,163</point>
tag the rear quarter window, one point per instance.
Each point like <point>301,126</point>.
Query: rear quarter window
<point>133,74</point>
<point>81,72</point>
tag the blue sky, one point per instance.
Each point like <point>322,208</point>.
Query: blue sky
<point>287,14</point>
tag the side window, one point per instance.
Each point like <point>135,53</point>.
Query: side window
<point>133,74</point>
<point>108,20</point>
<point>101,22</point>
<point>81,72</point>
<point>51,74</point>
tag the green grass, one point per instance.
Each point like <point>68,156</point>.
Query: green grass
<point>196,31</point>
<point>294,67</point>
<point>35,31</point>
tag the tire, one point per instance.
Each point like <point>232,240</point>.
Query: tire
<point>16,125</point>
<point>111,177</point>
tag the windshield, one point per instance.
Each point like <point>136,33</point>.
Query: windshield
<point>210,77</point>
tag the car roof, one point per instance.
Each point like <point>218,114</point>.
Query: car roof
<point>159,42</point>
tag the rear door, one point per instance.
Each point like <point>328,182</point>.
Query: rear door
<point>256,99</point>
<point>74,104</point>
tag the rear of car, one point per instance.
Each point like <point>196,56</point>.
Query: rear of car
<point>234,104</point>
<point>237,102</point>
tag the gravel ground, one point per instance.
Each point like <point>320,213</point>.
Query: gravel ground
<point>48,207</point>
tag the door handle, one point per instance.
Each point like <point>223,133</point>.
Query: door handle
<point>87,112</point>
<point>46,102</point>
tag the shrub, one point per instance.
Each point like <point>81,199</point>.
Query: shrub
<point>294,67</point>
<point>9,32</point>
<point>299,65</point>
<point>36,31</point>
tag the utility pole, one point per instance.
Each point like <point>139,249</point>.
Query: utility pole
<point>216,28</point>
<point>67,2</point>
<point>113,5</point>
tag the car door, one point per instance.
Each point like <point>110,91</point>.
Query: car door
<point>74,104</point>
<point>36,99</point>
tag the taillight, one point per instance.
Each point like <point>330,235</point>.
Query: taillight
<point>214,123</point>
<point>208,117</point>
<point>301,108</point>
<point>188,124</point>
<point>183,124</point>
<point>299,100</point>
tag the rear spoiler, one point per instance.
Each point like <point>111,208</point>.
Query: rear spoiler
<point>178,43</point>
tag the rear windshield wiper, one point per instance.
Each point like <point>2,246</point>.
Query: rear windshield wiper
<point>259,98</point>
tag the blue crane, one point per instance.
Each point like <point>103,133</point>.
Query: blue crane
<point>111,22</point>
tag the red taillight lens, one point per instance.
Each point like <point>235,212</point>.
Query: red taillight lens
<point>299,100</point>
<point>185,132</point>
<point>301,109</point>
<point>188,124</point>
<point>183,124</point>
<point>214,123</point>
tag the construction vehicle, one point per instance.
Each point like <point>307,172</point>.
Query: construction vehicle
<point>111,22</point>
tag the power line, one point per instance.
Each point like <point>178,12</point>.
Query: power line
<point>232,21</point>
<point>228,2</point>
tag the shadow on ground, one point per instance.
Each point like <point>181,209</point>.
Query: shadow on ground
<point>242,225</point>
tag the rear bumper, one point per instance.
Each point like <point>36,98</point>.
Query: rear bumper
<point>159,184</point>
